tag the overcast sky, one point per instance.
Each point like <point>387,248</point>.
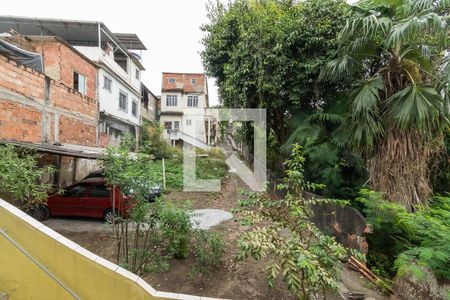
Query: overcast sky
<point>170,29</point>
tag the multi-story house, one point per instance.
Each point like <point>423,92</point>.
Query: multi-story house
<point>184,100</point>
<point>148,105</point>
<point>118,83</point>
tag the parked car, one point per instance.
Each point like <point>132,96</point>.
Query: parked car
<point>153,190</point>
<point>90,197</point>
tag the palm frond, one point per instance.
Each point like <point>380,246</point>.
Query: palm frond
<point>416,106</point>
<point>365,126</point>
<point>340,67</point>
<point>325,117</point>
<point>411,28</point>
<point>302,135</point>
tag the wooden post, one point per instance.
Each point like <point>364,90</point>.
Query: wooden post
<point>164,173</point>
<point>75,167</point>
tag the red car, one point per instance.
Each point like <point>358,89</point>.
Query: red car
<point>88,198</point>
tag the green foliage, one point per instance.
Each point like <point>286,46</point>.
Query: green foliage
<point>209,249</point>
<point>306,260</point>
<point>404,242</point>
<point>20,177</point>
<point>176,228</point>
<point>398,107</point>
<point>210,168</point>
<point>152,142</point>
<point>133,173</point>
<point>329,160</point>
<point>268,54</point>
<point>216,152</point>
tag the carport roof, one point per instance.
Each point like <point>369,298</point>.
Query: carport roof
<point>64,149</point>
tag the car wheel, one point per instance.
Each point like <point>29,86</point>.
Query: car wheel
<point>41,213</point>
<point>111,217</point>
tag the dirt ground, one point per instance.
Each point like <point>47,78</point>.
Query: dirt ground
<point>233,280</point>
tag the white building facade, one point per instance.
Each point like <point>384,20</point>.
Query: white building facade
<point>184,99</point>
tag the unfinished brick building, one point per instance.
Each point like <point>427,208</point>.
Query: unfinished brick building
<point>54,111</point>
<point>47,107</point>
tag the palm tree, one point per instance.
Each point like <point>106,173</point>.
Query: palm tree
<point>398,108</point>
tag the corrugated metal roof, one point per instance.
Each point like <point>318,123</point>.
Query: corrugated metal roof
<point>65,149</point>
<point>131,41</point>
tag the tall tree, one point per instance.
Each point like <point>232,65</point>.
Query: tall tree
<point>268,54</point>
<point>399,106</point>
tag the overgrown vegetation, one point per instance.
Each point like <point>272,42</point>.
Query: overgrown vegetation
<point>209,249</point>
<point>305,259</point>
<point>403,242</point>
<point>268,54</point>
<point>21,177</point>
<point>398,108</point>
<point>153,232</point>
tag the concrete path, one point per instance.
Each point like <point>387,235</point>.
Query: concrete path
<point>201,219</point>
<point>207,218</point>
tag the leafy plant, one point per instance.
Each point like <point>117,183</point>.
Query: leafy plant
<point>403,242</point>
<point>21,177</point>
<point>398,108</point>
<point>176,228</point>
<point>306,260</point>
<point>208,249</point>
<point>268,54</point>
<point>329,161</point>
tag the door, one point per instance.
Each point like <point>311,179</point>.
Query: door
<point>69,203</point>
<point>96,201</point>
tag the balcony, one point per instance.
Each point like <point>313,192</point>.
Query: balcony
<point>174,134</point>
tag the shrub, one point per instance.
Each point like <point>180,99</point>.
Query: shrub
<point>404,242</point>
<point>216,152</point>
<point>209,249</point>
<point>20,177</point>
<point>298,252</point>
<point>176,228</point>
<point>210,168</point>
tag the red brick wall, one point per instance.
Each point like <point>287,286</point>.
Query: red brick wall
<point>21,113</point>
<point>73,131</point>
<point>61,60</point>
<point>18,122</point>
<point>64,97</point>
<point>184,82</point>
<point>20,79</point>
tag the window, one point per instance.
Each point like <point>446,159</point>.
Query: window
<point>193,81</point>
<point>134,108</point>
<point>107,84</point>
<point>138,74</point>
<point>192,101</point>
<point>79,83</point>
<point>188,122</point>
<point>75,191</point>
<point>171,100</point>
<point>99,191</point>
<point>123,101</point>
<point>168,125</point>
<point>176,125</point>
<point>172,80</point>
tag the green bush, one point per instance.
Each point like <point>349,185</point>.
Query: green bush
<point>297,252</point>
<point>402,241</point>
<point>176,228</point>
<point>209,249</point>
<point>216,152</point>
<point>20,177</point>
<point>210,168</point>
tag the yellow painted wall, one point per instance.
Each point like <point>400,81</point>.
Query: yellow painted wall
<point>23,280</point>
